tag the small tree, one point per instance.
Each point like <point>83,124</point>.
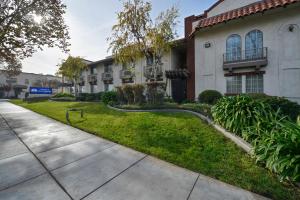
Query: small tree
<point>136,36</point>
<point>28,26</point>
<point>72,68</point>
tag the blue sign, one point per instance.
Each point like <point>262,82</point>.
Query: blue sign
<point>40,90</point>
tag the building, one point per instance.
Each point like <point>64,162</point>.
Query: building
<point>105,75</point>
<point>236,46</point>
<point>20,84</point>
<point>245,46</point>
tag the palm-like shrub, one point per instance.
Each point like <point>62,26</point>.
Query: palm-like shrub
<point>277,144</point>
<point>239,112</point>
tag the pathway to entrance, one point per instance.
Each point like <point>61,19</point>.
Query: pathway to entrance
<point>41,158</point>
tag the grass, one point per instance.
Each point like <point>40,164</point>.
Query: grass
<point>178,138</point>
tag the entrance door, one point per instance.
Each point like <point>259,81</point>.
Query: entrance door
<point>179,90</point>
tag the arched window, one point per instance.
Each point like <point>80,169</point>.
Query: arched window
<point>233,48</point>
<point>254,44</point>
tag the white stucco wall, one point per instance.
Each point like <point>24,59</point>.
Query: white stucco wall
<point>139,74</point>
<point>228,5</point>
<point>282,77</point>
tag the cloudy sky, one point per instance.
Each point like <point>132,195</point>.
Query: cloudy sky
<point>90,23</point>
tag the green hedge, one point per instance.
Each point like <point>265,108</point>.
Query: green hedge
<point>209,97</point>
<point>109,98</point>
<point>90,96</point>
<point>59,95</point>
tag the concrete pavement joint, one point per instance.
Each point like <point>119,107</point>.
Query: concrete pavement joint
<point>193,187</point>
<point>23,181</point>
<point>48,171</point>
<point>83,157</point>
<point>114,177</point>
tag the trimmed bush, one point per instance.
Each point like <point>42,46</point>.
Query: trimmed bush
<point>209,97</point>
<point>109,98</point>
<point>59,95</point>
<point>89,96</point>
<point>64,99</point>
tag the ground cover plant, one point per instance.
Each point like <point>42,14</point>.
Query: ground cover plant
<point>179,138</point>
<point>274,135</point>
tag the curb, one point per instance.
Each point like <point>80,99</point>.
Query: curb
<point>234,138</point>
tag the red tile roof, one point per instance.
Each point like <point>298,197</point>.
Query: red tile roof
<point>260,6</point>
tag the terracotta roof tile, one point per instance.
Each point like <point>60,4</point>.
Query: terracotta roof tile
<point>251,9</point>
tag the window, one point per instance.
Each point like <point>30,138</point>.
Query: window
<point>254,45</point>
<point>254,83</point>
<point>234,84</point>
<point>106,87</point>
<point>26,82</point>
<point>107,68</point>
<point>233,48</point>
<point>150,60</point>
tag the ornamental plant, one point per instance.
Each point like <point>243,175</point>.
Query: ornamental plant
<point>128,93</point>
<point>239,112</point>
<point>138,93</point>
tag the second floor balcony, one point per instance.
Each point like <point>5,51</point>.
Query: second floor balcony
<point>152,72</point>
<point>245,59</point>
<point>81,81</point>
<point>92,79</point>
<point>126,74</point>
<point>107,76</point>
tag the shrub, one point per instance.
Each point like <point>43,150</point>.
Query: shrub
<point>203,109</point>
<point>138,93</point>
<point>238,112</point>
<point>120,95</point>
<point>209,97</point>
<point>277,145</point>
<point>109,98</point>
<point>155,92</point>
<point>58,95</point>
<point>128,93</point>
<point>287,108</point>
<point>64,99</point>
<point>89,96</point>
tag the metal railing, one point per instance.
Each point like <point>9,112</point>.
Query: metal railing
<point>244,56</point>
<point>92,78</point>
<point>152,72</point>
<point>107,76</point>
<point>126,74</point>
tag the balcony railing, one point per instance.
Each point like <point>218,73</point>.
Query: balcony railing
<point>244,59</point>
<point>92,79</point>
<point>81,81</point>
<point>107,76</point>
<point>126,74</point>
<point>152,72</point>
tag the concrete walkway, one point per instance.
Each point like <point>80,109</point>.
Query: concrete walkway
<point>41,158</point>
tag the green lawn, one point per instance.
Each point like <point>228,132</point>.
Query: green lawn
<point>179,138</point>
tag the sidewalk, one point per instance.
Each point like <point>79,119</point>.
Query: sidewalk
<point>41,158</point>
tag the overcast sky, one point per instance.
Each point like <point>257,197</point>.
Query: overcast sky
<point>90,23</point>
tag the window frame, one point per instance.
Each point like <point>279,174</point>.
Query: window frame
<point>233,48</point>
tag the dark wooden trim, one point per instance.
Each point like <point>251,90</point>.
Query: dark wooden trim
<point>244,73</point>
